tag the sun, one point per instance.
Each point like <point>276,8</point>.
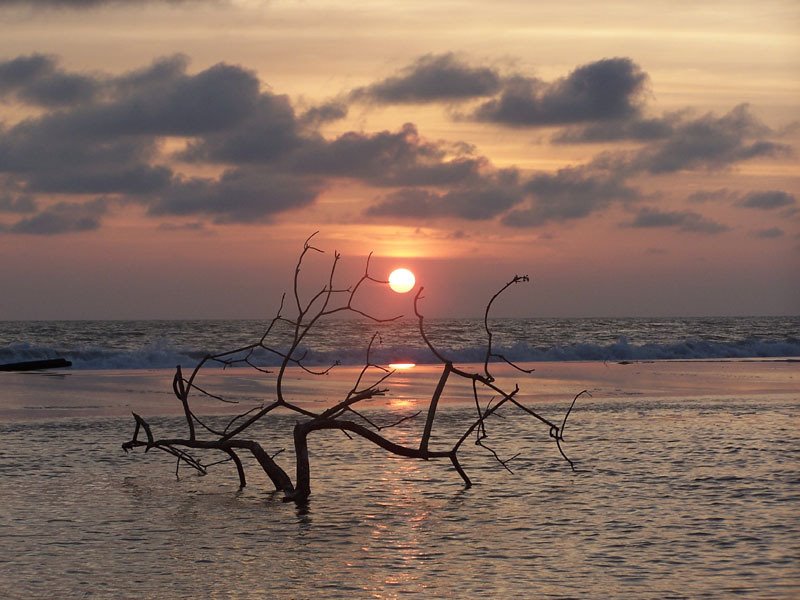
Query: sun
<point>402,280</point>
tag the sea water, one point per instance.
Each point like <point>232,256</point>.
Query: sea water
<point>692,495</point>
<point>164,344</point>
<point>670,499</point>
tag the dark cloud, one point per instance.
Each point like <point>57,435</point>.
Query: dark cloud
<point>110,140</point>
<point>175,103</point>
<point>36,79</point>
<point>410,203</point>
<point>637,129</point>
<point>366,155</point>
<point>608,89</point>
<point>108,146</point>
<point>273,135</point>
<point>432,78</point>
<point>710,142</point>
<point>135,179</point>
<point>14,203</point>
<point>324,113</point>
<point>161,100</point>
<point>568,194</point>
<point>60,89</point>
<point>112,145</point>
<point>770,233</point>
<point>387,158</point>
<point>63,217</point>
<point>702,196</point>
<point>22,70</point>
<point>768,200</point>
<point>678,141</point>
<point>485,200</point>
<point>48,159</point>
<point>267,132</point>
<point>157,74</point>
<point>681,220</point>
<point>237,196</point>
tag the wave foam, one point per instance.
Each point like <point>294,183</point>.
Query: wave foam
<point>165,355</point>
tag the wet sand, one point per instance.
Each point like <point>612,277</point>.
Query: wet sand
<point>61,394</point>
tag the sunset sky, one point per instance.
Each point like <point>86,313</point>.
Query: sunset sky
<point>167,159</point>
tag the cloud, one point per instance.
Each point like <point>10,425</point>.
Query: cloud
<point>42,157</point>
<point>768,200</point>
<point>18,71</point>
<point>608,89</point>
<point>161,100</point>
<point>16,203</point>
<point>167,101</point>
<point>569,194</point>
<point>387,158</point>
<point>273,135</point>
<point>770,233</point>
<point>112,145</point>
<point>134,179</point>
<point>678,141</point>
<point>710,142</point>
<point>480,201</point>
<point>128,137</point>
<point>638,129</point>
<point>159,72</point>
<point>108,146</point>
<point>267,132</point>
<point>64,217</point>
<point>324,113</point>
<point>36,79</point>
<point>702,196</point>
<point>237,196</point>
<point>432,78</point>
<point>679,219</point>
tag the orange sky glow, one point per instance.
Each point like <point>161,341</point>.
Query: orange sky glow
<point>168,159</point>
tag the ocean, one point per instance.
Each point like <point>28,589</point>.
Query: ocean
<point>164,344</point>
<point>686,484</point>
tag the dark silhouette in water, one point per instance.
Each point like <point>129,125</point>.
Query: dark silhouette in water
<point>37,365</point>
<point>342,416</point>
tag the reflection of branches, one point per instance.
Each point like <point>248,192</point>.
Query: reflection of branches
<point>331,299</point>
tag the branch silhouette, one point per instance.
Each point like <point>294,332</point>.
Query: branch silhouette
<point>344,415</point>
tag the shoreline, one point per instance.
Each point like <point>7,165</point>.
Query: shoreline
<point>49,395</point>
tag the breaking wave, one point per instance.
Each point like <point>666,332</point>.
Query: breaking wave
<point>164,354</point>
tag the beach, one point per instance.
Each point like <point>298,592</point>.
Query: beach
<point>685,487</point>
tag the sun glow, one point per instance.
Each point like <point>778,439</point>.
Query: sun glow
<point>402,366</point>
<point>402,280</point>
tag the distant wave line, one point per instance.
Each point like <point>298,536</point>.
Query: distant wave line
<point>165,355</point>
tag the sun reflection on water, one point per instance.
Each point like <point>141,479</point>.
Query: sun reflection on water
<point>402,366</point>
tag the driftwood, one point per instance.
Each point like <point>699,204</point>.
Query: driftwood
<point>36,365</point>
<point>342,416</point>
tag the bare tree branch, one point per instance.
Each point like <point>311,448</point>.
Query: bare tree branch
<point>332,299</point>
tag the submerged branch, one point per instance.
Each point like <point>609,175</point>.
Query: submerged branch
<point>309,312</point>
